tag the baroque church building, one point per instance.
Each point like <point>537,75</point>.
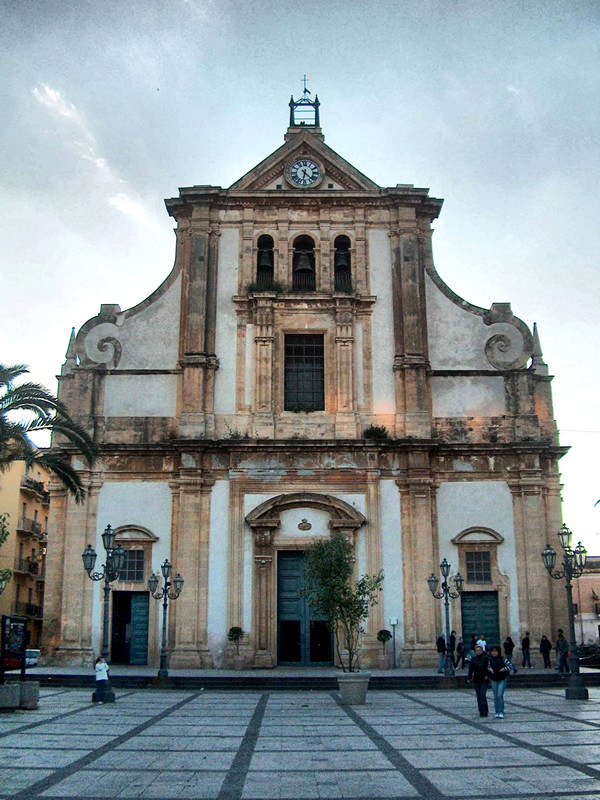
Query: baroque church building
<point>304,369</point>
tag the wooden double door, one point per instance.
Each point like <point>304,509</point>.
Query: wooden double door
<point>302,638</point>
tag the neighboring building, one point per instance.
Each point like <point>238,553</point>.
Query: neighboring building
<point>586,603</point>
<point>304,369</point>
<point>25,498</point>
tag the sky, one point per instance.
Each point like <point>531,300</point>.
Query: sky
<point>109,107</point>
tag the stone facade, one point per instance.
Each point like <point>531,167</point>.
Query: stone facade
<point>429,432</point>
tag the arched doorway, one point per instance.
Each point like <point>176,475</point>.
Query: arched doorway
<point>284,630</point>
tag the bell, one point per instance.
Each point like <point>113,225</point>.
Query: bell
<point>303,264</point>
<point>265,259</point>
<point>342,259</point>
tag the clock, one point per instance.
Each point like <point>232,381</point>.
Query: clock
<point>304,172</point>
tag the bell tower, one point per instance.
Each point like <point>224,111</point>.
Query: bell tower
<point>304,113</point>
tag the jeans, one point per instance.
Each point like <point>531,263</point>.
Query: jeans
<point>563,662</point>
<point>482,703</point>
<point>526,659</point>
<point>441,662</point>
<point>499,687</point>
<point>546,660</point>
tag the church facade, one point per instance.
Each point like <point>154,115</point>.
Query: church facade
<point>304,369</point>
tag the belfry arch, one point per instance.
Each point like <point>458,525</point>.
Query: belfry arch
<point>274,525</point>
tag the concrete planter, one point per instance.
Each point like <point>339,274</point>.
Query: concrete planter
<point>239,662</point>
<point>29,695</point>
<point>10,696</point>
<point>353,687</point>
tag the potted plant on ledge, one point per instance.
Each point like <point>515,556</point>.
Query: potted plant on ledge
<point>334,594</point>
<point>234,635</point>
<point>383,636</point>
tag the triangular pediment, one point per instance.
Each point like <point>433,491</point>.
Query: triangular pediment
<point>272,174</point>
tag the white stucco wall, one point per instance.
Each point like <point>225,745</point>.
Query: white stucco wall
<point>380,262</point>
<point>464,504</point>
<point>456,337</point>
<point>149,338</point>
<point>226,332</point>
<point>140,395</point>
<point>466,396</point>
<point>143,503</point>
<point>218,561</point>
<point>391,553</point>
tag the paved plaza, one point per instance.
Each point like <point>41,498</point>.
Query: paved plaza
<point>300,745</point>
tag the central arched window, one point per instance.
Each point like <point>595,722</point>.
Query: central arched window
<point>303,265</point>
<point>264,263</point>
<point>341,265</point>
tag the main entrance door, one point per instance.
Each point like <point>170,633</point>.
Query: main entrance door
<point>301,639</point>
<point>129,641</point>
<point>480,616</point>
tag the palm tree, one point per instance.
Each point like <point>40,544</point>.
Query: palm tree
<point>28,408</point>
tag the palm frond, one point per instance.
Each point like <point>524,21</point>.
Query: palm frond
<point>64,472</point>
<point>9,374</point>
<point>72,431</point>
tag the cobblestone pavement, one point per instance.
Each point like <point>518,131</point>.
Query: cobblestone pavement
<point>300,745</point>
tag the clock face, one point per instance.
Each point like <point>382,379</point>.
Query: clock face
<point>304,172</point>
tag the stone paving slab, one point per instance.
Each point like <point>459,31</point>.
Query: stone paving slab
<point>301,745</point>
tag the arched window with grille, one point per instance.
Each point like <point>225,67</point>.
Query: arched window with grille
<point>264,263</point>
<point>341,265</point>
<point>303,265</point>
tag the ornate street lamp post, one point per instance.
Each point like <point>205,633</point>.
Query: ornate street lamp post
<point>448,594</point>
<point>114,563</point>
<point>165,594</point>
<point>572,567</point>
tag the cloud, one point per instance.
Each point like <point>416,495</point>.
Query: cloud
<point>132,208</point>
<point>85,145</point>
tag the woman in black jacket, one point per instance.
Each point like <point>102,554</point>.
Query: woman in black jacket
<point>478,674</point>
<point>499,669</point>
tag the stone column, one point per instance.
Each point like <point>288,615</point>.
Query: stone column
<point>69,597</point>
<point>420,554</point>
<point>263,591</point>
<point>345,418</point>
<point>190,549</point>
<point>413,414</point>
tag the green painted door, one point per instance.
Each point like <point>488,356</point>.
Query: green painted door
<point>480,616</point>
<point>138,643</point>
<point>301,639</point>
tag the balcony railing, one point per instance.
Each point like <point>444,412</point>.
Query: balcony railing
<point>29,610</point>
<point>29,525</point>
<point>30,485</point>
<point>30,567</point>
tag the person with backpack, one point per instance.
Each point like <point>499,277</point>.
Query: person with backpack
<point>499,668</point>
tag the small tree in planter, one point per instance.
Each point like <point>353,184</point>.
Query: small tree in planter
<point>333,594</point>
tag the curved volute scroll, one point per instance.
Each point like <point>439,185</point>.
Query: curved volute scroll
<point>511,344</point>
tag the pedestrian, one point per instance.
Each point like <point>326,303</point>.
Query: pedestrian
<point>499,668</point>
<point>525,648</point>
<point>481,641</point>
<point>461,653</point>
<point>452,645</point>
<point>545,648</point>
<point>509,647</point>
<point>441,648</point>
<point>478,674</point>
<point>562,652</point>
<point>101,668</point>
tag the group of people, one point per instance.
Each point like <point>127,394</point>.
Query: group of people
<point>461,655</point>
<point>489,667</point>
<point>561,647</point>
